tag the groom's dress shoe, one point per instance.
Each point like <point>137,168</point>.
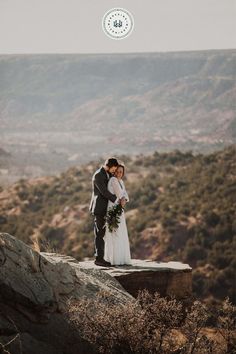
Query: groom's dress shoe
<point>102,263</point>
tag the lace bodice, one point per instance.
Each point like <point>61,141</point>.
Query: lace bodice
<point>117,187</point>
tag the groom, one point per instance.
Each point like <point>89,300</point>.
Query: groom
<point>98,206</point>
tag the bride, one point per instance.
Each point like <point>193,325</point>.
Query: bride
<point>117,249</point>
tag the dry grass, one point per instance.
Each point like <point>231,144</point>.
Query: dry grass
<point>17,338</point>
<point>35,244</point>
<point>152,324</point>
<point>39,245</point>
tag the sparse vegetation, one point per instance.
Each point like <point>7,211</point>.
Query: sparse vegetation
<point>182,207</point>
<point>153,324</point>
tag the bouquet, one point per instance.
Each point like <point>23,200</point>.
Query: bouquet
<point>113,217</point>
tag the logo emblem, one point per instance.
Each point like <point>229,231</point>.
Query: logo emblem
<point>117,23</point>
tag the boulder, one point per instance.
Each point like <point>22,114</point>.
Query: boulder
<point>34,290</point>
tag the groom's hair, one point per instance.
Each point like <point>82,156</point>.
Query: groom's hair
<point>112,161</point>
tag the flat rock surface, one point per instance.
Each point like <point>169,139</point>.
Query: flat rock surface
<point>167,278</point>
<point>139,265</point>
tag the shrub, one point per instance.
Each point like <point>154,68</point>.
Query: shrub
<point>139,326</point>
<point>151,324</point>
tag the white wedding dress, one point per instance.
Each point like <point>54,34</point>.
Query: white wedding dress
<point>117,248</point>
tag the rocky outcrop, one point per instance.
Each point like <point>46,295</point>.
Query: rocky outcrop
<point>34,289</point>
<point>167,278</point>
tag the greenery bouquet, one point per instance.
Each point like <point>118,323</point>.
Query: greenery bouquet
<point>113,217</point>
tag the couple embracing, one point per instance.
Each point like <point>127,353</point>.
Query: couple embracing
<point>111,246</point>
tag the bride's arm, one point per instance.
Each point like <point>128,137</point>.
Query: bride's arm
<point>116,187</point>
<point>125,192</point>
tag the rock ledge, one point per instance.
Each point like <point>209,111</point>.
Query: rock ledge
<point>168,278</point>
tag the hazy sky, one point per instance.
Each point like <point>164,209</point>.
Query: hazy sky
<point>74,26</point>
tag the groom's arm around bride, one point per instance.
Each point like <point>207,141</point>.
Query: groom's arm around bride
<point>100,195</point>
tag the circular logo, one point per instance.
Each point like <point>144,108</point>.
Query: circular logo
<point>117,23</point>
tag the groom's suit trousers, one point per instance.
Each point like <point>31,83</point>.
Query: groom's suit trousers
<point>98,208</point>
<point>99,232</point>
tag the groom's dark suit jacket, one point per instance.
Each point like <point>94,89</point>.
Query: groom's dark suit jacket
<point>101,195</point>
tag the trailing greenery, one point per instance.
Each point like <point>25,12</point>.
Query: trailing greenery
<point>113,217</point>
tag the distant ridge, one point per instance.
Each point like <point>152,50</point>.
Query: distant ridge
<point>58,110</point>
